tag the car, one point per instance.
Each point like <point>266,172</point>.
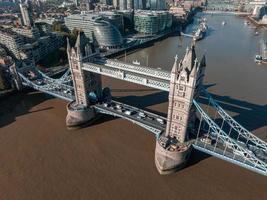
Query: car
<point>141,114</point>
<point>112,104</point>
<point>161,121</point>
<point>242,153</point>
<point>39,81</point>
<point>128,112</point>
<point>150,118</point>
<point>206,140</point>
<point>67,91</point>
<point>118,106</point>
<point>106,105</point>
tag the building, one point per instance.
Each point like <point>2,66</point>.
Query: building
<point>86,5</point>
<point>123,4</point>
<point>102,25</point>
<point>107,2</point>
<point>28,49</point>
<point>44,28</point>
<point>179,11</point>
<point>107,35</point>
<point>76,2</point>
<point>152,22</point>
<point>130,4</point>
<point>139,4</point>
<point>116,3</point>
<point>259,11</point>
<point>26,14</point>
<point>28,33</point>
<point>157,4</point>
<point>12,42</point>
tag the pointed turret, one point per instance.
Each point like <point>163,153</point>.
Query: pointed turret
<point>189,58</point>
<point>195,68</point>
<point>95,44</point>
<point>68,45</point>
<point>78,40</point>
<point>80,44</point>
<point>175,69</point>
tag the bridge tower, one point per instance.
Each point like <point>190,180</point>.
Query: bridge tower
<point>85,84</point>
<point>16,80</point>
<point>174,147</point>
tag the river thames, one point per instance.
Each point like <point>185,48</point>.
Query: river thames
<point>114,159</point>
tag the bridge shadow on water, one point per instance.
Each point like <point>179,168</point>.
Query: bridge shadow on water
<point>145,101</point>
<point>19,104</point>
<point>249,115</point>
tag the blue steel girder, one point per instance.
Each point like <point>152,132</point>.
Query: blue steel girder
<point>235,125</point>
<point>66,77</point>
<point>49,88</point>
<point>247,155</point>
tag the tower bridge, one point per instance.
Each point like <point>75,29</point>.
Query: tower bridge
<point>187,125</point>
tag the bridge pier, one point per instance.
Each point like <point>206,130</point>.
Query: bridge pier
<point>79,116</point>
<point>170,156</point>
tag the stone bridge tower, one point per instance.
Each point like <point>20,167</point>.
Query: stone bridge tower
<point>173,149</point>
<point>84,83</point>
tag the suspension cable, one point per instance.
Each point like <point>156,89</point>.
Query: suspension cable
<point>200,122</point>
<point>227,144</point>
<point>218,136</point>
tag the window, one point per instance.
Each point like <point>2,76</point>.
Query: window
<point>182,78</point>
<point>181,94</point>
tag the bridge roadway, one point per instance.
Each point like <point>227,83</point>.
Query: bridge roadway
<point>150,121</point>
<point>220,151</point>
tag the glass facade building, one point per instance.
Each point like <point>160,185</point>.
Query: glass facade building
<point>152,22</point>
<point>105,26</point>
<point>107,35</point>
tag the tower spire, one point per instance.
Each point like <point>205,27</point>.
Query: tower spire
<point>194,70</point>
<point>78,40</point>
<point>174,68</point>
<point>68,45</point>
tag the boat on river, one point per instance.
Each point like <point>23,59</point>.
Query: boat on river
<point>262,57</point>
<point>201,31</point>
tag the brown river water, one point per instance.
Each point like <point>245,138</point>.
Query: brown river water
<point>113,158</point>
